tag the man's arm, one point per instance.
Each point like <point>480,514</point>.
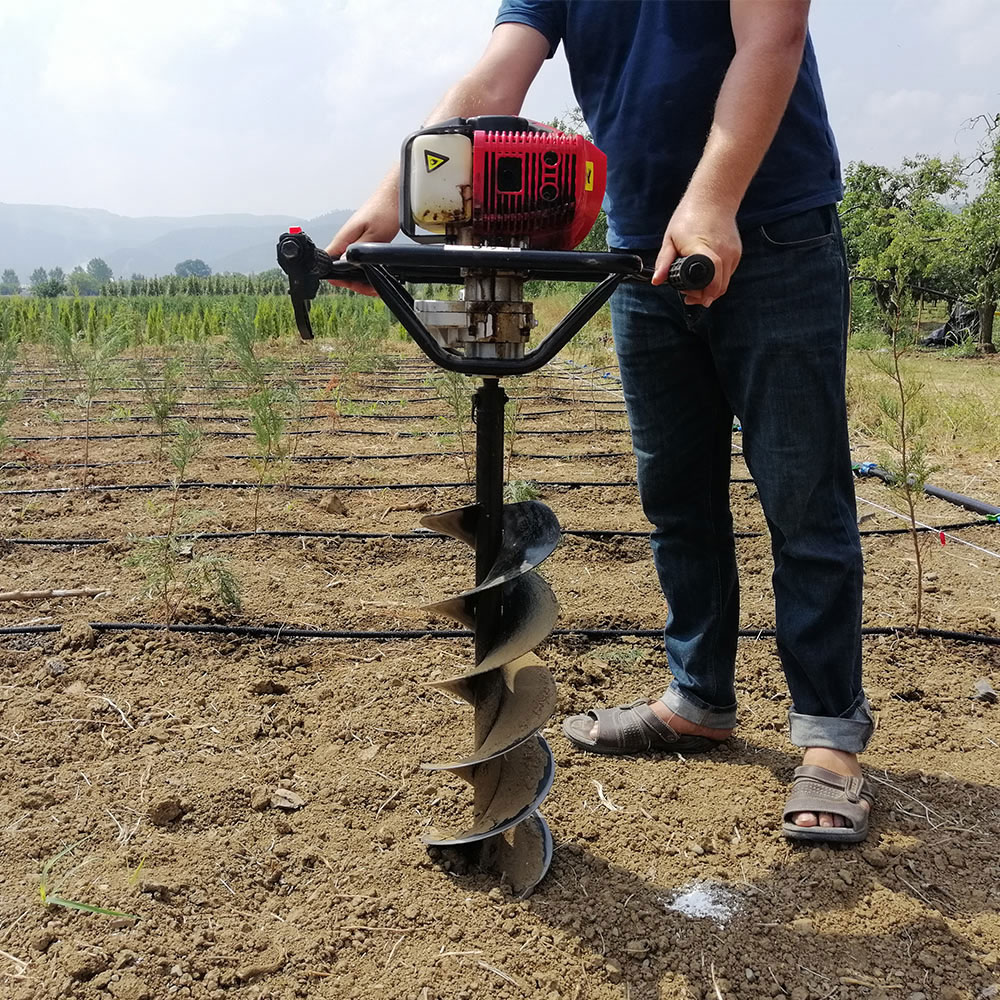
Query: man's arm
<point>770,38</point>
<point>497,84</point>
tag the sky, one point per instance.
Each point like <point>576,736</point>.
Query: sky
<point>296,108</point>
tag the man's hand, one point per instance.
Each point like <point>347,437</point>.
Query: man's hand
<point>699,226</point>
<point>377,221</point>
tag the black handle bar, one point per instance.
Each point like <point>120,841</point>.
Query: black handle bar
<point>387,266</point>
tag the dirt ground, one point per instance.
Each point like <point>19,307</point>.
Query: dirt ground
<point>252,808</point>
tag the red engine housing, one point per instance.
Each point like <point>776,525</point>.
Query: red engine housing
<point>541,188</point>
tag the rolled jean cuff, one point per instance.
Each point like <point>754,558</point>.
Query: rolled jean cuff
<point>851,733</point>
<point>698,712</point>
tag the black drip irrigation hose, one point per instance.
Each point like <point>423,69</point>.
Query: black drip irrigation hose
<point>429,454</point>
<point>294,632</point>
<point>602,534</point>
<point>352,416</point>
<point>958,499</point>
<point>343,487</point>
<point>591,533</point>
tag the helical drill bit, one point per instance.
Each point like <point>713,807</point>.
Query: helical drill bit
<point>513,694</point>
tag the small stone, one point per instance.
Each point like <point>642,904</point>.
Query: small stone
<point>637,948</point>
<point>166,811</point>
<point>803,925</point>
<point>951,993</point>
<point>41,940</point>
<point>260,798</point>
<point>750,975</point>
<point>875,857</point>
<point>614,970</point>
<point>454,933</point>
<point>985,692</point>
<point>285,798</point>
<point>129,987</point>
<point>55,666</point>
<point>926,960</point>
<point>332,504</point>
<point>800,993</point>
<point>83,965</point>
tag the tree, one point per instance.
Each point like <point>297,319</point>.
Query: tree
<point>897,226</point>
<point>99,271</point>
<point>975,240</point>
<point>48,285</point>
<point>10,284</point>
<point>81,282</point>
<point>196,267</point>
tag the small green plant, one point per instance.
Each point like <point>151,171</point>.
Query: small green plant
<point>519,490</point>
<point>161,392</point>
<point>168,561</point>
<point>9,397</point>
<point>511,416</point>
<point>50,897</point>
<point>92,365</point>
<point>455,391</point>
<point>903,419</point>
<point>271,410</point>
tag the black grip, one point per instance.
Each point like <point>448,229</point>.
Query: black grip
<point>691,273</point>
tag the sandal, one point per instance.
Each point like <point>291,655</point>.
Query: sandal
<point>815,790</point>
<point>631,729</point>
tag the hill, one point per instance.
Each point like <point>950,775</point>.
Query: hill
<point>48,236</point>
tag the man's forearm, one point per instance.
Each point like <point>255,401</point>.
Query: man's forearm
<point>749,108</point>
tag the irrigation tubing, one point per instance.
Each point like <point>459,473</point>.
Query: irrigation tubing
<point>293,632</point>
<point>602,534</point>
<point>958,499</point>
<point>343,487</point>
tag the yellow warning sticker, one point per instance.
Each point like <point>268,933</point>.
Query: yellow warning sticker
<point>588,175</point>
<point>434,160</point>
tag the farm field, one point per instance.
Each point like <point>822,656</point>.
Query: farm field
<point>251,806</point>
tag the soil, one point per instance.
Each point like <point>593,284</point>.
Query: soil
<point>252,808</point>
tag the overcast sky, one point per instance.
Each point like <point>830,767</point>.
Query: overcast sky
<point>295,107</point>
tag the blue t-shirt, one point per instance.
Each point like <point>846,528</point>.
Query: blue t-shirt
<point>646,76</point>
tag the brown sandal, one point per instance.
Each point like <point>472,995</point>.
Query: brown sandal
<point>815,790</point>
<point>631,729</point>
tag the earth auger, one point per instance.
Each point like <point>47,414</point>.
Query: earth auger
<point>499,196</point>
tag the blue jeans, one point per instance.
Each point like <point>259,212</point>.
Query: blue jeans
<point>771,351</point>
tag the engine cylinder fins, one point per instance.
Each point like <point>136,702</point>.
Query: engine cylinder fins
<point>530,534</point>
<point>512,693</point>
<point>506,791</point>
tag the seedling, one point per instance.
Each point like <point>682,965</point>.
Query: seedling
<point>9,397</point>
<point>92,366</point>
<point>902,422</point>
<point>455,391</point>
<point>168,561</point>
<point>51,898</point>
<point>161,392</point>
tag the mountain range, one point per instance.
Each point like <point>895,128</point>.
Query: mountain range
<point>50,236</point>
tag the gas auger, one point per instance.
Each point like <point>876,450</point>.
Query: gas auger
<point>492,202</point>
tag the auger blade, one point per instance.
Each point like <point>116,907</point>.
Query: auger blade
<point>521,856</point>
<point>527,701</point>
<point>529,611</point>
<point>459,523</point>
<point>530,533</point>
<point>508,789</point>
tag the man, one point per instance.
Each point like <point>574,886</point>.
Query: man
<point>712,118</point>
